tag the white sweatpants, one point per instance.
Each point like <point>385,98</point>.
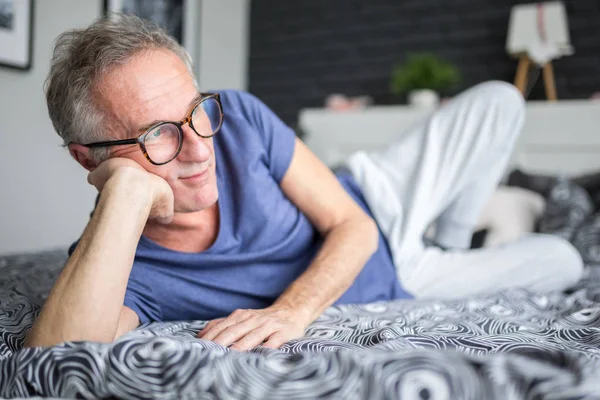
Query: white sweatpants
<point>443,171</point>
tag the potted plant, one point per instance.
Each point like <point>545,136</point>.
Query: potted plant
<point>422,77</point>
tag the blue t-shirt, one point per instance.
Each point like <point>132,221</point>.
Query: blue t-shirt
<point>264,241</point>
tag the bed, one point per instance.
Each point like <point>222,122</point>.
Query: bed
<point>510,345</point>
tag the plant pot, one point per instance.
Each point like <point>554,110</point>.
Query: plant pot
<point>423,98</point>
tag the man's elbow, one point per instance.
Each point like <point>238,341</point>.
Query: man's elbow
<point>36,339</point>
<point>33,338</point>
<point>29,341</point>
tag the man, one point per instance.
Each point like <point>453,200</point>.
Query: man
<point>223,215</point>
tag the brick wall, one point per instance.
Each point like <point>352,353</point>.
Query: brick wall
<point>303,50</point>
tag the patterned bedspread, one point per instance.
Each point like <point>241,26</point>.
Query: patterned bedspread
<point>510,345</point>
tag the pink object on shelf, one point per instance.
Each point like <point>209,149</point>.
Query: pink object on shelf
<point>339,102</point>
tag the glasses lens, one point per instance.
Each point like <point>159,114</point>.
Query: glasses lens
<point>162,143</point>
<point>206,118</point>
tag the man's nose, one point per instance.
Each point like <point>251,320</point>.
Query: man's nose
<point>194,147</point>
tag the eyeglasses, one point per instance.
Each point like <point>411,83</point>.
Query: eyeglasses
<point>162,142</point>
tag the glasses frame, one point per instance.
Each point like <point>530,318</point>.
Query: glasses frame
<point>187,120</point>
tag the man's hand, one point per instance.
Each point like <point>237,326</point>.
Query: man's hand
<point>128,171</point>
<point>246,329</point>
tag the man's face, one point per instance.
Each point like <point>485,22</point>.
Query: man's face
<point>156,86</point>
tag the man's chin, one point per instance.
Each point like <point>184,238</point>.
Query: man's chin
<point>196,205</point>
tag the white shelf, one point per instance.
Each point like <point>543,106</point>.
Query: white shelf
<point>558,137</point>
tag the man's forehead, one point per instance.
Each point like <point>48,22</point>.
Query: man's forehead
<point>153,86</point>
<point>194,100</point>
<point>148,74</point>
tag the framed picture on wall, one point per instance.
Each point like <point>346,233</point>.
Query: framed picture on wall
<point>177,17</point>
<point>16,33</point>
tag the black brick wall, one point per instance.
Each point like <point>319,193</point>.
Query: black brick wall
<point>303,50</point>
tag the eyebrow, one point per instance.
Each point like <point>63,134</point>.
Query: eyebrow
<point>145,127</point>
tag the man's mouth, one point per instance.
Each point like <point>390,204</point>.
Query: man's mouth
<point>195,175</point>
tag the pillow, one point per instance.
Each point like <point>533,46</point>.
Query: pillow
<point>510,213</point>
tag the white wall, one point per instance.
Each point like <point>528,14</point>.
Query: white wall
<point>44,200</point>
<point>224,44</point>
<point>44,197</point>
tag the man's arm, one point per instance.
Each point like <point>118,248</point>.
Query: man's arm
<point>351,238</point>
<point>86,302</point>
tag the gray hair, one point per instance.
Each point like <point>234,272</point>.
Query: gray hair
<point>82,57</point>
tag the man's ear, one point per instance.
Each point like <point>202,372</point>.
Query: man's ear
<point>82,155</point>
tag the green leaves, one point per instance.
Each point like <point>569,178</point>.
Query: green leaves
<point>423,71</point>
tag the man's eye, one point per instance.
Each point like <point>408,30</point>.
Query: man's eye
<point>156,133</point>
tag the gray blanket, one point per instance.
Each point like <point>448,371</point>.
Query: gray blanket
<point>510,345</point>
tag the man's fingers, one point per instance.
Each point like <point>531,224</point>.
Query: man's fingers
<point>163,201</point>
<point>255,337</point>
<point>234,332</point>
<point>246,329</point>
<point>163,213</point>
<point>276,340</point>
<point>225,323</point>
<point>93,179</point>
<point>209,326</point>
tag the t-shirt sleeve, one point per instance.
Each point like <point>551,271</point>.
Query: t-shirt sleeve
<point>279,139</point>
<point>140,299</point>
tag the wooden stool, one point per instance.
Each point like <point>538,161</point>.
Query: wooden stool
<point>522,76</point>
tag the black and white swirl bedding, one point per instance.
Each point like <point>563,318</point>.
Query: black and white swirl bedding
<point>510,345</point>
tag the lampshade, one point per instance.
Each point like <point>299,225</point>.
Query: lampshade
<point>539,30</point>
